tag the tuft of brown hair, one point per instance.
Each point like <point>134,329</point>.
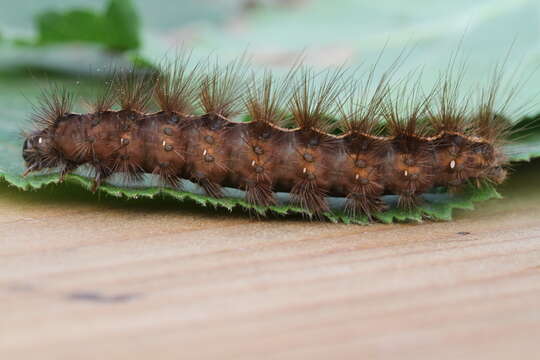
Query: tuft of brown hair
<point>53,103</point>
<point>178,84</point>
<point>133,88</point>
<point>267,97</point>
<point>221,90</point>
<point>406,109</point>
<point>314,100</point>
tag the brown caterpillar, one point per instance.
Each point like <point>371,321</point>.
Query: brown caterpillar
<point>345,142</point>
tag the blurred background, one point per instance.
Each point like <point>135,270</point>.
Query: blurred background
<point>274,32</point>
<point>72,41</point>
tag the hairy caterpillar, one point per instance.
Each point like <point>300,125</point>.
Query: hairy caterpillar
<point>344,141</point>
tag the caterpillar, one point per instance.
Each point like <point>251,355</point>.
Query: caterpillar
<point>311,134</point>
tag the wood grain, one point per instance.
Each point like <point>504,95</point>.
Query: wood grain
<point>89,278</point>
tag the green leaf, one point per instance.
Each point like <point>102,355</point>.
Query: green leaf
<point>434,209</point>
<point>117,28</point>
<point>525,141</point>
<point>79,25</point>
<point>121,25</point>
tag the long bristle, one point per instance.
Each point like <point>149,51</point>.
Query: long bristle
<point>133,88</point>
<point>406,109</point>
<point>105,99</point>
<point>451,110</point>
<point>266,98</point>
<point>308,195</point>
<point>489,120</point>
<point>362,112</point>
<point>177,85</point>
<point>53,103</point>
<point>221,90</point>
<point>260,193</point>
<point>360,203</point>
<point>314,100</point>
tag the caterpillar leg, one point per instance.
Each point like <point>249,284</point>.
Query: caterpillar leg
<point>211,188</point>
<point>101,174</point>
<point>29,170</point>
<point>308,195</point>
<point>168,176</point>
<point>359,204</point>
<point>68,168</point>
<point>409,201</point>
<point>260,194</point>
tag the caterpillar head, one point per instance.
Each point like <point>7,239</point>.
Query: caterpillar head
<point>487,162</point>
<point>464,158</point>
<point>495,161</point>
<point>38,152</point>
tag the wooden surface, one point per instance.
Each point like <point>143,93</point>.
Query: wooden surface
<point>89,278</point>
